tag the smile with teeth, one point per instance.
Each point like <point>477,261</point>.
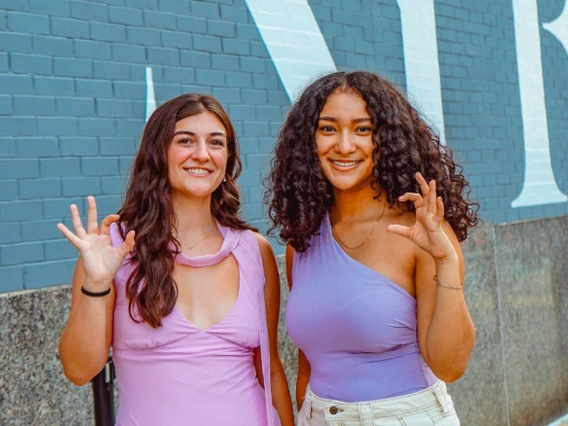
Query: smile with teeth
<point>198,171</point>
<point>344,163</point>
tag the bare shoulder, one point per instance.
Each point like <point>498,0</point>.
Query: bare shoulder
<point>266,252</point>
<point>395,246</point>
<point>448,230</point>
<point>263,244</point>
<point>396,215</point>
<point>289,252</point>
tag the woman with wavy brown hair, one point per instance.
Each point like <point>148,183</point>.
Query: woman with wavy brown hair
<point>372,208</point>
<point>185,291</point>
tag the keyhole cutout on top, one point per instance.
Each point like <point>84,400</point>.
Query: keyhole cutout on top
<point>207,295</point>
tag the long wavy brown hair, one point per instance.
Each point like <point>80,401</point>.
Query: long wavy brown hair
<point>298,194</point>
<point>147,208</point>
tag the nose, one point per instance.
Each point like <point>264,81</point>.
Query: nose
<point>344,144</point>
<point>200,152</point>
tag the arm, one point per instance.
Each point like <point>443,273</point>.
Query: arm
<point>304,368</point>
<point>279,383</point>
<point>445,330</point>
<point>85,341</point>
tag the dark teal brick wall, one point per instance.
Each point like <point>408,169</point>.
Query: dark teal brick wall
<point>73,101</point>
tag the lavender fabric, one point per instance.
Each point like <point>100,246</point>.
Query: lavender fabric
<point>356,327</point>
<point>178,374</point>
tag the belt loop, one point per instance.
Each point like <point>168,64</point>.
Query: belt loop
<point>366,413</point>
<point>439,391</point>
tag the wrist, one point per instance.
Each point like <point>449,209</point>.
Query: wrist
<point>447,285</point>
<point>95,294</point>
<point>96,286</point>
<point>447,260</point>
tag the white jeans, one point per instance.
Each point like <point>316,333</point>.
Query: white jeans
<point>432,406</point>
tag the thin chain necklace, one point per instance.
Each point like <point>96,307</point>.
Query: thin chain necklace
<point>202,238</point>
<point>366,238</point>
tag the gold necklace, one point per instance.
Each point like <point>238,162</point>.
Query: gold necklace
<point>366,238</point>
<point>205,236</point>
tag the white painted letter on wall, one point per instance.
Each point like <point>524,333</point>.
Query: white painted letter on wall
<point>293,40</point>
<point>539,186</point>
<point>420,45</point>
<point>150,97</point>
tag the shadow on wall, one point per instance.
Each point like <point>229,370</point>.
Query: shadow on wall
<point>517,292</point>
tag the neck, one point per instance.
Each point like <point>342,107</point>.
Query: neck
<point>192,216</point>
<point>356,205</point>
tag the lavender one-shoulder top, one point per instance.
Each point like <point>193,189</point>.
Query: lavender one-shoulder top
<point>356,327</point>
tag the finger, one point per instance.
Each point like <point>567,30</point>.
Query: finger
<point>440,205</point>
<point>127,245</point>
<point>106,222</point>
<point>410,196</point>
<point>404,231</point>
<point>422,183</point>
<point>413,197</point>
<point>130,240</point>
<point>76,220</point>
<point>92,225</point>
<point>73,239</point>
<point>431,199</point>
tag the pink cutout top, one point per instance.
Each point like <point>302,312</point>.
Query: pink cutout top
<point>178,374</point>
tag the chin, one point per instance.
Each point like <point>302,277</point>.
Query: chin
<point>199,192</point>
<point>344,184</point>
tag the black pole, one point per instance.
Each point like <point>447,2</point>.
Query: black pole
<point>103,395</point>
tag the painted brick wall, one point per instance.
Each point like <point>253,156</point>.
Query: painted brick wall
<point>73,101</point>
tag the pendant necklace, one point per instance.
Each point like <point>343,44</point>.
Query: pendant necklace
<point>190,247</point>
<point>366,238</point>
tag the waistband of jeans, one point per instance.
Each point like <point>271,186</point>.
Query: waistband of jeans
<point>435,395</point>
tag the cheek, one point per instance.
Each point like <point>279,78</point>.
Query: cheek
<point>220,158</point>
<point>321,147</point>
<point>176,155</point>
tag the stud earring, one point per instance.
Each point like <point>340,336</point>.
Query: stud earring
<point>224,179</point>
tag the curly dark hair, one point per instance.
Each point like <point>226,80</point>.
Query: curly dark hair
<point>147,208</point>
<point>298,195</point>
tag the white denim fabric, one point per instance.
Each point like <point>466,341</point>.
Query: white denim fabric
<point>432,406</point>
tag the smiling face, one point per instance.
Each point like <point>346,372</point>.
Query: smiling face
<point>344,140</point>
<point>197,156</point>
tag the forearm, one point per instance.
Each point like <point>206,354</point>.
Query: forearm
<point>451,334</point>
<point>301,388</point>
<point>303,379</point>
<point>84,344</point>
<point>281,395</point>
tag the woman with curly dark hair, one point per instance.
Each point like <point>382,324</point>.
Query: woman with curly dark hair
<point>184,289</point>
<point>372,208</point>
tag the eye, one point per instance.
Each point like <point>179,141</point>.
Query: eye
<point>184,141</point>
<point>364,129</point>
<point>326,128</point>
<point>217,142</point>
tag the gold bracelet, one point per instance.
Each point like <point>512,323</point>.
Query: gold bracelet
<point>452,287</point>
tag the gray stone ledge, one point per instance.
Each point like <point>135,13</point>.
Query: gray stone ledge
<point>517,293</point>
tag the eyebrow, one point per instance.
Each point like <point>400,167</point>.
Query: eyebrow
<point>187,132</point>
<point>356,120</point>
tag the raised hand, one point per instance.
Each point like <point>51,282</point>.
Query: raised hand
<point>100,259</point>
<point>427,231</point>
